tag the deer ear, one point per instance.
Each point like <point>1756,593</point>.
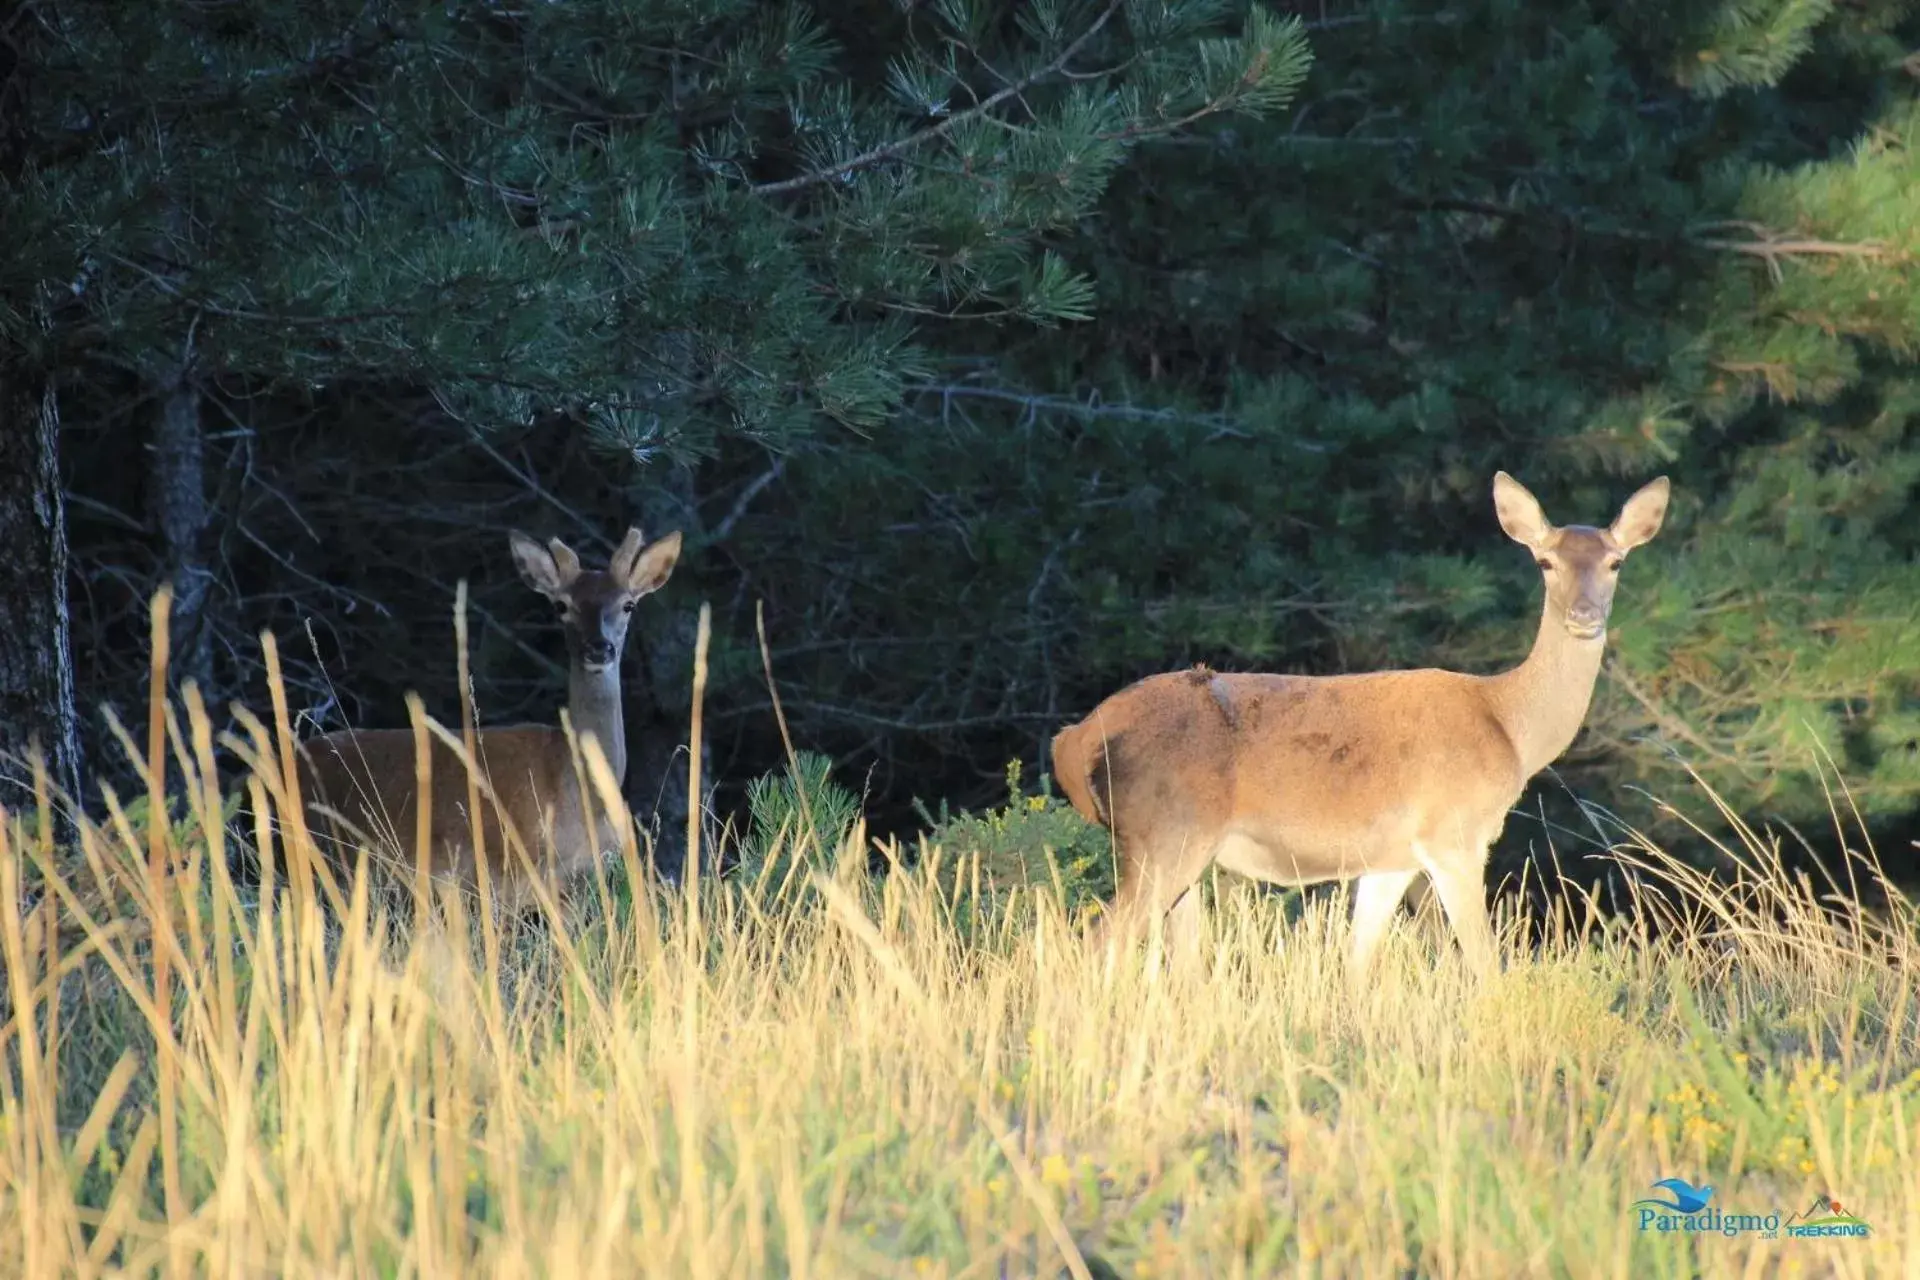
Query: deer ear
<point>539,568</point>
<point>1642,515</point>
<point>565,560</point>
<point>620,567</point>
<point>654,566</point>
<point>1519,512</point>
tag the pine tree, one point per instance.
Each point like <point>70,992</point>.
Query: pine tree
<point>680,226</point>
<point>1076,358</point>
<point>1586,246</point>
<point>674,220</point>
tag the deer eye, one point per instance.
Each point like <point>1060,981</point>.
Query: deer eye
<point>1613,565</point>
<point>560,608</point>
<point>1544,563</point>
<point>627,607</point>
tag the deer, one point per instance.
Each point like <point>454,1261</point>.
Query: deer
<point>1374,777</point>
<point>359,785</point>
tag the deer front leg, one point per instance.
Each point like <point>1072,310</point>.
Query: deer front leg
<point>1375,898</point>
<point>1152,883</point>
<point>1183,929</point>
<point>1460,878</point>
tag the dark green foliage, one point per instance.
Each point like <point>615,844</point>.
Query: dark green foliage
<point>1739,44</point>
<point>1491,235</point>
<point>673,221</point>
<point>678,230</point>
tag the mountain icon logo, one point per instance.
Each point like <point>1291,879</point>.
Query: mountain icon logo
<point>1826,1212</point>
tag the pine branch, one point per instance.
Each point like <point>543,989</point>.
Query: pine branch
<point>1668,721</point>
<point>900,146</point>
<point>112,123</point>
<point>745,499</point>
<point>1093,409</point>
<point>1765,245</point>
<point>1771,250</point>
<point>1138,131</point>
<point>1516,213</point>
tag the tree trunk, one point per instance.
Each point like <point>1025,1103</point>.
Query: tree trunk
<point>36,662</point>
<point>178,496</point>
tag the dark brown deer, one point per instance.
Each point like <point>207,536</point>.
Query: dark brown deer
<point>360,788</point>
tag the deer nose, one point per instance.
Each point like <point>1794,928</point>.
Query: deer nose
<point>1584,616</point>
<point>598,652</point>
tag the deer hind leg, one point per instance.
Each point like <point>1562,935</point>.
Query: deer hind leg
<point>1375,898</point>
<point>1461,883</point>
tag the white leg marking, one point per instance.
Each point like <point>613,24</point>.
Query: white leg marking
<point>1376,897</point>
<point>1461,882</point>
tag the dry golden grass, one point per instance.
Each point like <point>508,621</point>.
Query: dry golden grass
<point>844,1082</point>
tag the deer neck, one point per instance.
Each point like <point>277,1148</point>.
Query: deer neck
<point>593,702</point>
<point>1542,702</point>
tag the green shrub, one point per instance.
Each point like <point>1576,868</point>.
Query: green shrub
<point>799,820</point>
<point>1034,841</point>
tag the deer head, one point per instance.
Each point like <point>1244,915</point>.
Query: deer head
<point>595,604</point>
<point>1581,564</point>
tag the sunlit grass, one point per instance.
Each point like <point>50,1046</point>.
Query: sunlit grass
<point>858,1078</point>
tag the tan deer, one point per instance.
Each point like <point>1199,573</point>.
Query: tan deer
<point>1375,777</point>
<point>359,784</point>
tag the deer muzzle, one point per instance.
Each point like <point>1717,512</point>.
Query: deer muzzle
<point>1586,620</point>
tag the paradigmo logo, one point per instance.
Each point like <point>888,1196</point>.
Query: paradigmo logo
<point>1687,1211</point>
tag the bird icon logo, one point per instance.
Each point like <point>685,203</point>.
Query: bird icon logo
<point>1687,1198</point>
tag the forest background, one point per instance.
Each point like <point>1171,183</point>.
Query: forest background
<point>1002,352</point>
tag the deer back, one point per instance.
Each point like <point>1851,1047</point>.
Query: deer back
<point>360,791</point>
